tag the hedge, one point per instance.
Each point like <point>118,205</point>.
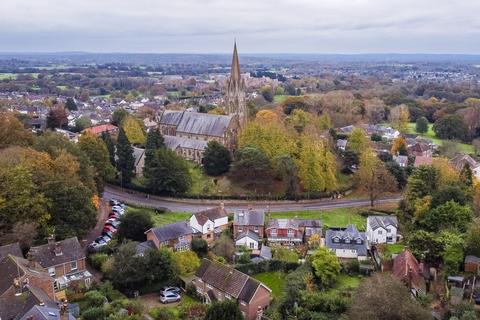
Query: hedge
<point>267,266</point>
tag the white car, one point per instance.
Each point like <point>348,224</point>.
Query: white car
<point>169,297</point>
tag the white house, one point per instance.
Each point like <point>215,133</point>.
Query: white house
<point>248,239</point>
<point>347,243</point>
<point>382,229</point>
<point>210,222</point>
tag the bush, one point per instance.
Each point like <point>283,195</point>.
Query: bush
<point>162,314</point>
<point>244,258</point>
<point>200,247</point>
<point>94,299</point>
<point>267,266</point>
<point>94,314</point>
<point>97,260</point>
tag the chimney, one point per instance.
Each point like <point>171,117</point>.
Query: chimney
<point>51,240</point>
<point>58,249</point>
<point>31,258</point>
<point>222,205</point>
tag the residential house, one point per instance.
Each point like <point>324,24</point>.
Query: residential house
<point>177,236</point>
<point>101,128</point>
<point>461,160</point>
<point>249,220</point>
<point>422,161</point>
<point>209,223</point>
<point>420,149</point>
<point>64,261</point>
<point>12,248</point>
<point>472,264</point>
<point>382,229</point>
<point>285,232</point>
<point>141,247</point>
<point>310,227</point>
<point>347,243</point>
<point>401,160</point>
<point>217,282</point>
<point>248,239</point>
<point>407,270</point>
<point>23,286</point>
<point>46,313</point>
<point>139,156</point>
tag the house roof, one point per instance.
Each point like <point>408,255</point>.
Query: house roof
<point>266,252</point>
<point>472,259</point>
<point>174,142</point>
<point>12,248</point>
<point>44,313</point>
<point>401,159</point>
<point>310,223</point>
<point>170,117</point>
<point>249,218</point>
<point>422,161</point>
<point>101,128</point>
<point>172,231</point>
<point>138,153</point>
<point>228,280</point>
<point>283,223</point>
<point>459,161</point>
<point>252,235</point>
<point>144,246</point>
<point>341,143</point>
<point>376,222</point>
<point>420,147</point>
<point>403,265</point>
<point>211,214</point>
<point>204,124</point>
<point>351,233</point>
<point>70,251</point>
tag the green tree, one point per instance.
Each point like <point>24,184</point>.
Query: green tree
<point>125,160</point>
<point>358,141</point>
<point>326,266</point>
<point>287,170</point>
<point>224,247</point>
<point>200,247</point>
<point>472,238</point>
<point>227,309</point>
<point>186,262</point>
<point>110,147</point>
<point>451,127</point>
<point>452,259</point>
<point>133,130</point>
<point>71,105</point>
<point>82,123</point>
<point>448,215</point>
<point>421,126</point>
<point>251,168</point>
<point>216,159</point>
<point>168,173</point>
<point>466,175</point>
<point>96,150</point>
<point>118,115</point>
<point>450,192</point>
<point>134,225</point>
<point>12,132</point>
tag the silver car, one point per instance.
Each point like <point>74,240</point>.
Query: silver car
<point>169,297</point>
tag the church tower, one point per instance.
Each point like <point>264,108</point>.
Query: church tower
<point>235,93</point>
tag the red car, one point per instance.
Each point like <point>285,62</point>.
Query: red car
<point>109,228</point>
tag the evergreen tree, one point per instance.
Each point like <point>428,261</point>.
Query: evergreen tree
<point>154,142</point>
<point>110,146</point>
<point>125,160</point>
<point>421,126</point>
<point>466,175</point>
<point>216,159</point>
<point>70,104</point>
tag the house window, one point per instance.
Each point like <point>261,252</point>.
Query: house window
<point>87,282</point>
<point>73,265</point>
<point>336,240</point>
<point>290,232</point>
<point>51,272</point>
<point>389,230</point>
<point>256,229</point>
<point>181,238</point>
<point>359,241</point>
<point>379,231</point>
<point>347,240</point>
<point>274,232</point>
<point>240,230</point>
<point>252,245</point>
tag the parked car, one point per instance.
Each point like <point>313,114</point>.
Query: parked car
<point>108,228</point>
<point>169,297</point>
<point>94,246</point>
<point>118,209</point>
<point>114,202</point>
<point>113,215</point>
<point>100,239</point>
<point>170,289</point>
<point>112,222</point>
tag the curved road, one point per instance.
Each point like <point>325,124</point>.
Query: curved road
<point>191,205</point>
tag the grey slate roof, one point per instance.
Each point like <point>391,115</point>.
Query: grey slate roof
<point>46,257</point>
<point>170,117</point>
<point>310,223</point>
<point>172,231</point>
<point>249,234</point>
<point>12,248</point>
<point>138,154</point>
<point>173,142</point>
<point>249,218</point>
<point>472,259</point>
<point>283,223</point>
<point>351,233</point>
<point>266,252</point>
<point>376,222</point>
<point>44,313</point>
<point>204,124</point>
<point>144,246</point>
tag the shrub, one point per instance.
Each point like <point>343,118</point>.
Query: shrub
<point>97,260</point>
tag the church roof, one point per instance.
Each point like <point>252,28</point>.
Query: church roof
<point>173,142</point>
<point>204,124</point>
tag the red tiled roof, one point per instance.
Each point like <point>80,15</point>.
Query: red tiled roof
<point>422,161</point>
<point>405,264</point>
<point>101,128</point>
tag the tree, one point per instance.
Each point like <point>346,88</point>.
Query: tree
<point>399,147</point>
<point>125,160</point>
<point>97,152</point>
<point>326,266</point>
<point>82,123</point>
<point>472,238</point>
<point>216,159</point>
<point>450,192</point>
<point>449,149</point>
<point>227,309</point>
<point>398,173</point>
<point>134,224</point>
<point>12,132</point>
<point>451,127</point>
<point>118,115</point>
<point>57,118</point>
<point>423,182</point>
<point>186,262</point>
<point>448,215</point>
<point>466,175</point>
<point>397,304</point>
<point>168,173</point>
<point>267,93</point>
<point>421,126</point>
<point>110,147</point>
<point>224,247</point>
<point>154,142</point>
<point>357,142</point>
<point>133,130</point>
<point>452,259</point>
<point>399,118</point>
<point>287,170</point>
<point>199,246</point>
<point>71,105</point>
<point>373,177</point>
<point>251,168</point>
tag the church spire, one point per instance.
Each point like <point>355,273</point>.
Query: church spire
<point>235,74</point>
<point>235,97</point>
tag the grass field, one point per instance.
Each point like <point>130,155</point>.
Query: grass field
<point>8,76</point>
<point>430,134</point>
<point>163,218</point>
<point>395,248</point>
<point>346,282</point>
<point>274,280</point>
<point>330,218</point>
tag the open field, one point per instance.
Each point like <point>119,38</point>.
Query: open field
<point>430,134</point>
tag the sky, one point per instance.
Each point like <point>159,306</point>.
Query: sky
<point>260,26</point>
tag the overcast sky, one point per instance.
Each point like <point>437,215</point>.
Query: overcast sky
<point>260,26</point>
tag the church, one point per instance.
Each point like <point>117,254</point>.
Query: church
<point>187,133</point>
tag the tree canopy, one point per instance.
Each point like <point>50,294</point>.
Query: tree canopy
<point>216,159</point>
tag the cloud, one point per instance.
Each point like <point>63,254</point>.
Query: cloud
<point>342,26</point>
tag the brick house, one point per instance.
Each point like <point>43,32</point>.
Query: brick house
<point>63,260</point>
<point>101,128</point>
<point>209,223</point>
<point>285,232</point>
<point>407,270</point>
<point>249,220</point>
<point>217,282</point>
<point>472,264</point>
<point>177,236</point>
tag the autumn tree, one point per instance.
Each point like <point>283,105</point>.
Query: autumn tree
<point>57,118</point>
<point>110,146</point>
<point>133,130</point>
<point>118,115</point>
<point>224,247</point>
<point>357,142</point>
<point>12,131</point>
<point>186,262</point>
<point>399,147</point>
<point>373,177</point>
<point>125,160</point>
<point>399,118</point>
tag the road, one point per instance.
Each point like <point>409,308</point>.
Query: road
<point>191,205</point>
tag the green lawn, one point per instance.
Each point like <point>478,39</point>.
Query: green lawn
<point>201,183</point>
<point>395,248</point>
<point>164,217</point>
<point>331,218</point>
<point>8,76</point>
<point>274,280</point>
<point>346,282</point>
<point>279,98</point>
<point>430,134</point>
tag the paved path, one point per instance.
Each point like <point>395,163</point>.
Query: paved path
<point>192,205</point>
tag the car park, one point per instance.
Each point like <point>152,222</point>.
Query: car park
<point>170,289</point>
<point>169,297</point>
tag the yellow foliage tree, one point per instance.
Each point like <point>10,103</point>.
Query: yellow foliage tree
<point>399,146</point>
<point>266,116</point>
<point>358,141</point>
<point>399,118</point>
<point>448,174</point>
<point>133,130</point>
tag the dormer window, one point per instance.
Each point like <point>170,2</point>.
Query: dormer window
<point>359,241</point>
<point>336,240</point>
<point>347,240</point>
